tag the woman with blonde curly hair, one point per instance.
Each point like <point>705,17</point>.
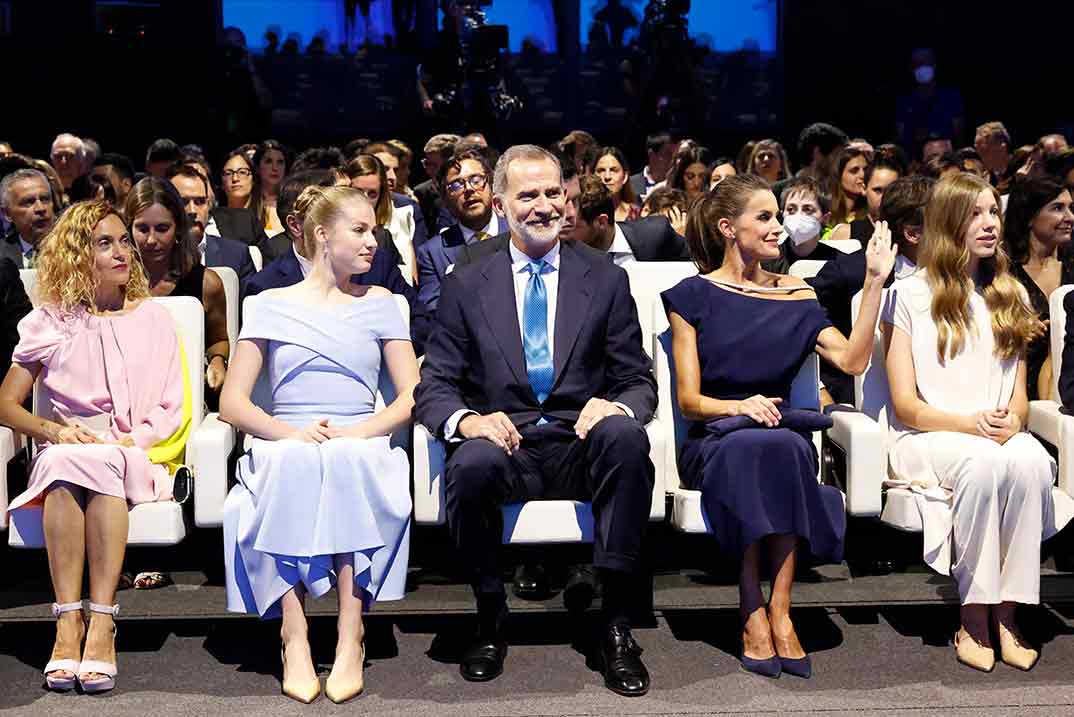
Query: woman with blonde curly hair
<point>110,363</point>
<point>958,329</point>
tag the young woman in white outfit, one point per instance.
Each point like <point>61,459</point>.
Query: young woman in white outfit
<point>958,328</point>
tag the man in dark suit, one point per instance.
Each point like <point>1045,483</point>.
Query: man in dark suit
<point>648,239</point>
<point>215,251</point>
<point>26,200</point>
<point>438,150</point>
<point>467,182</point>
<point>535,377</point>
<point>660,151</point>
<point>903,208</point>
<point>14,305</point>
<point>291,266</point>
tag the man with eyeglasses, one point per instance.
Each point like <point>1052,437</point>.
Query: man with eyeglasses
<point>466,189</point>
<point>193,189</point>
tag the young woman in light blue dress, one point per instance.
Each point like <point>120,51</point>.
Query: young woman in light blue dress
<point>322,497</point>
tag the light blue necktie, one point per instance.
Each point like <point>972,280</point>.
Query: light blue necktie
<point>535,333</point>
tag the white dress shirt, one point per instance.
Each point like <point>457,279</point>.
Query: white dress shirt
<point>620,249</point>
<point>492,229</point>
<point>304,264</point>
<point>520,273</point>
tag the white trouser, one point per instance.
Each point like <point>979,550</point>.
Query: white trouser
<point>1002,499</point>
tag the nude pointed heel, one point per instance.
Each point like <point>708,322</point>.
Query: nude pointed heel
<point>301,693</point>
<point>108,669</point>
<point>350,691</point>
<point>62,684</point>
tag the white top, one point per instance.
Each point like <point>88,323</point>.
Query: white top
<point>974,380</point>
<point>401,227</point>
<point>620,249</point>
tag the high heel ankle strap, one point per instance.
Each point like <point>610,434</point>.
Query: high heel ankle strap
<point>112,610</point>
<point>60,608</point>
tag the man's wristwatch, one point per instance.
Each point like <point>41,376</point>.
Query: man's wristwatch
<point>222,357</point>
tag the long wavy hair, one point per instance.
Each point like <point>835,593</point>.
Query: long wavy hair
<point>150,191</point>
<point>65,275</point>
<point>840,198</point>
<point>769,145</point>
<point>1026,199</point>
<point>946,260</point>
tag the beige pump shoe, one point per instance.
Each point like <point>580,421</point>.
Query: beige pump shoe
<point>972,653</point>
<point>342,692</point>
<point>1014,651</point>
<point>304,693</point>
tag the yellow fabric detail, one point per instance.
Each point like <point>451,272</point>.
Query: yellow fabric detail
<point>172,450</point>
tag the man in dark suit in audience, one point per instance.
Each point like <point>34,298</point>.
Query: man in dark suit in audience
<point>903,208</point>
<point>292,266</point>
<point>438,150</point>
<point>535,377</point>
<point>660,151</point>
<point>26,200</point>
<point>214,250</point>
<point>467,182</point>
<point>648,239</point>
<point>14,304</point>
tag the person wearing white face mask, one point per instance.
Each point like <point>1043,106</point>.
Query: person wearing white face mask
<point>929,109</point>
<point>806,209</point>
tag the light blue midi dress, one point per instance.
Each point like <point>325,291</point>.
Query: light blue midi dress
<point>297,504</point>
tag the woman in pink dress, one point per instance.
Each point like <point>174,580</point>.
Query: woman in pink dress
<point>110,363</point>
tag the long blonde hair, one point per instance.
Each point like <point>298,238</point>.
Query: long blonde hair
<point>318,206</point>
<point>65,275</point>
<point>946,259</point>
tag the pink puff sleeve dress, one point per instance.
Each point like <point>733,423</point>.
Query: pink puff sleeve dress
<point>114,375</point>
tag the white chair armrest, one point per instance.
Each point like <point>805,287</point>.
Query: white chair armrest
<point>862,440</point>
<point>10,445</point>
<point>207,453</point>
<point>1050,425</point>
<point>429,457</point>
<point>659,436</point>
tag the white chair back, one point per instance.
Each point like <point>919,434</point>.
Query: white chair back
<point>230,279</point>
<point>805,388</point>
<point>255,257</point>
<point>647,280</point>
<point>806,268</point>
<point>872,394</point>
<point>1057,334</point>
<point>29,283</point>
<point>847,246</point>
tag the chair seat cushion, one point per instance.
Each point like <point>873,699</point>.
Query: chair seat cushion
<point>149,524</point>
<point>900,510</point>
<point>687,515</point>
<point>547,521</point>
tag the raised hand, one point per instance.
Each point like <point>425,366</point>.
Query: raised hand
<point>880,254</point>
<point>495,427</point>
<point>762,409</point>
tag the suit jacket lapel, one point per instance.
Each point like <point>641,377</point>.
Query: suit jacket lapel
<point>572,305</point>
<point>498,304</point>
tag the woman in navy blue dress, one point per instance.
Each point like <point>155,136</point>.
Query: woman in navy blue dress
<point>739,336</point>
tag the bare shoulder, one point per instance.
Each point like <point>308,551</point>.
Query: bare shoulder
<point>212,286</point>
<point>374,291</point>
<point>840,233</point>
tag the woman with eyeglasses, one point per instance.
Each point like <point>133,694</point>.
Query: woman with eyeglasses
<point>368,175</point>
<point>239,180</point>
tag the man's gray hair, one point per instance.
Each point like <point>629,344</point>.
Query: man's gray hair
<point>66,136</point>
<point>519,151</point>
<point>17,176</point>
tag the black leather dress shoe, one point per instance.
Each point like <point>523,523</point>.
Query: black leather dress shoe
<point>580,588</point>
<point>624,673</point>
<point>531,582</point>
<point>483,660</point>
